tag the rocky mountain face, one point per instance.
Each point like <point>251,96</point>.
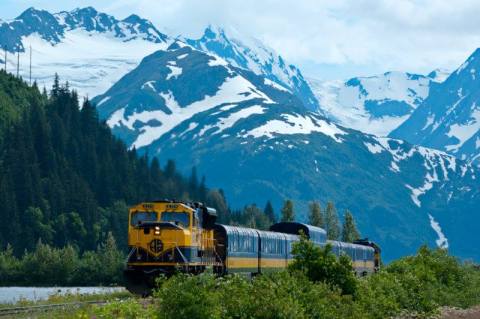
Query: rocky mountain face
<point>375,104</point>
<point>53,27</point>
<point>449,119</point>
<point>251,54</point>
<point>257,141</point>
<point>89,49</point>
<point>62,43</point>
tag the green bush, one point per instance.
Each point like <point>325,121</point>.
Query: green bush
<point>129,309</point>
<point>433,278</point>
<point>49,266</point>
<point>321,265</point>
<point>186,296</point>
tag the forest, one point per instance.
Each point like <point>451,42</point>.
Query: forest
<point>66,183</point>
<point>65,179</point>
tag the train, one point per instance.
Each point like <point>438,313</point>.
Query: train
<point>166,237</point>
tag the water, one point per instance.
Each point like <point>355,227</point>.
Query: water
<point>14,294</point>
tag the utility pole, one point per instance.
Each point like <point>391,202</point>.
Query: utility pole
<point>18,62</point>
<point>5,48</point>
<point>30,65</point>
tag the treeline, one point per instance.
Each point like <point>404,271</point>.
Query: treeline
<point>65,179</point>
<point>328,219</point>
<point>50,266</point>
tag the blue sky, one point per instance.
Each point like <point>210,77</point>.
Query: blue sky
<point>326,39</point>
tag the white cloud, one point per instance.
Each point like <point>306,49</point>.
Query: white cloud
<point>327,38</point>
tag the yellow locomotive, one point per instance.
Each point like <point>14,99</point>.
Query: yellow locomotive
<point>167,236</point>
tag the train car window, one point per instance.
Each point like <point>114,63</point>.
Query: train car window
<point>140,217</point>
<point>178,218</point>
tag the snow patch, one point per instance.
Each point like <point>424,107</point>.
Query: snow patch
<point>90,72</point>
<point>191,127</point>
<point>275,85</point>
<point>217,61</point>
<point>373,148</point>
<point>231,90</point>
<point>464,132</point>
<point>175,71</point>
<point>105,99</point>
<point>116,118</point>
<point>430,120</point>
<point>149,84</point>
<point>345,101</point>
<point>296,124</point>
<point>442,241</point>
<point>233,118</point>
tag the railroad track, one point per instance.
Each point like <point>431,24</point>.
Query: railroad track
<point>44,308</point>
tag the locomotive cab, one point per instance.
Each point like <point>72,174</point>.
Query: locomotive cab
<point>165,237</point>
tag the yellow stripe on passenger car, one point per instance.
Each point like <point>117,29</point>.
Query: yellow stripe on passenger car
<point>241,262</point>
<point>272,263</point>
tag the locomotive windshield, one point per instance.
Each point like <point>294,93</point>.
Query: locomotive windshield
<point>178,218</point>
<point>140,217</point>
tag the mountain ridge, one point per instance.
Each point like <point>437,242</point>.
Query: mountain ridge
<point>259,142</point>
<point>374,104</point>
<point>449,119</point>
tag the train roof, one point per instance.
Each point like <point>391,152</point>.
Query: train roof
<point>235,229</point>
<point>348,245</point>
<point>315,234</point>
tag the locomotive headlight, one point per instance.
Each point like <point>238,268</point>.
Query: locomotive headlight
<point>157,230</point>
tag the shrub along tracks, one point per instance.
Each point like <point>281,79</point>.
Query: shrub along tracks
<point>13,311</point>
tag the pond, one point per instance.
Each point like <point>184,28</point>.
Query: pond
<point>14,294</point>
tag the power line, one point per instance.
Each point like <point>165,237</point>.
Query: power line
<point>30,65</point>
<point>18,62</point>
<point>5,48</point>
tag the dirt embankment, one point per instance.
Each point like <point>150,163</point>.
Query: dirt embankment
<point>453,313</point>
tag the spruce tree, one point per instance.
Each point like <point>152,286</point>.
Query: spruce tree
<point>193,184</point>
<point>288,215</point>
<point>202,190</point>
<point>269,212</point>
<point>56,86</point>
<point>331,222</point>
<point>315,217</point>
<point>349,230</point>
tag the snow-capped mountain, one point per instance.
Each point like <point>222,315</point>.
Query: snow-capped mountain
<point>90,49</point>
<point>93,50</point>
<point>257,141</point>
<point>449,119</point>
<point>251,54</point>
<point>375,104</point>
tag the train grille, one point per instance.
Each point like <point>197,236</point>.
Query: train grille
<point>156,246</point>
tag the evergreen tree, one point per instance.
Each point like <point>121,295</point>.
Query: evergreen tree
<point>332,223</point>
<point>216,199</point>
<point>315,217</point>
<point>193,184</point>
<point>269,212</point>
<point>63,173</point>
<point>349,230</point>
<point>288,215</point>
<point>202,190</point>
<point>56,86</point>
<point>170,169</point>
<point>255,218</point>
